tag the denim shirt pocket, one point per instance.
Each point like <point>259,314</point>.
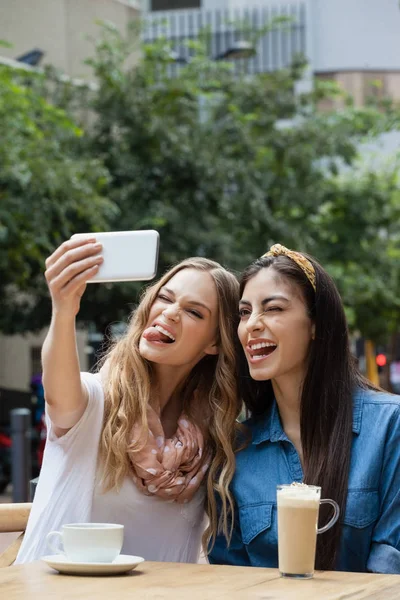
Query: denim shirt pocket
<point>259,533</point>
<point>362,512</point>
<point>362,508</point>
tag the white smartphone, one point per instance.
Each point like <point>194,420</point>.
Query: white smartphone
<point>128,255</point>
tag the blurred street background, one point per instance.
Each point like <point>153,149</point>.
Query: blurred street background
<point>227,125</point>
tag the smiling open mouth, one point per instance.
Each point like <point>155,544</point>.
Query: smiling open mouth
<point>262,349</point>
<point>157,333</point>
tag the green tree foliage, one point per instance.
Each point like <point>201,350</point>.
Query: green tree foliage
<point>357,234</point>
<point>224,164</point>
<point>47,191</point>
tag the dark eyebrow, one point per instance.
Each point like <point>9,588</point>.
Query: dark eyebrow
<point>195,302</point>
<point>244,302</point>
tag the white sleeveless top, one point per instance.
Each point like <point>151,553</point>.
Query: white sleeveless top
<point>68,492</point>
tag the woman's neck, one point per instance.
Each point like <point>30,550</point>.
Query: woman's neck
<point>287,390</point>
<point>166,383</point>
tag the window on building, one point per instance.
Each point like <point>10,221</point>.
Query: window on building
<point>174,4</point>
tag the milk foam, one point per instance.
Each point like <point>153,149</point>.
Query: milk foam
<point>298,496</point>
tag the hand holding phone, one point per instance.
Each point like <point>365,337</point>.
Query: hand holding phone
<point>128,255</point>
<point>67,272</point>
<point>106,256</point>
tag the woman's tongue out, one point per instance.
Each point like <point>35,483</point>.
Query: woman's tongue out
<point>152,334</point>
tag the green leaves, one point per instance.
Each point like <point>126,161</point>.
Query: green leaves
<point>47,192</point>
<point>222,163</point>
<point>357,235</point>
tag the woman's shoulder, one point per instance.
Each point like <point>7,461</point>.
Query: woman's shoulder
<point>89,424</point>
<point>375,406</point>
<point>250,430</point>
<point>94,383</point>
<point>380,398</point>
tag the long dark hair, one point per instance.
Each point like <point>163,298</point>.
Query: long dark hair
<point>326,411</point>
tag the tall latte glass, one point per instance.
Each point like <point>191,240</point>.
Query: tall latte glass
<point>298,508</point>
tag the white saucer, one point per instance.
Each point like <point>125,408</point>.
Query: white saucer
<point>122,564</point>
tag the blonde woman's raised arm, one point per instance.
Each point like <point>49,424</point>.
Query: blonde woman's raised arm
<point>67,272</point>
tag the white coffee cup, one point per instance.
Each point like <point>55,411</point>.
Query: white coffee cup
<point>88,542</point>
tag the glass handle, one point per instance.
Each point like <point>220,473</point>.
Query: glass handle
<point>335,515</point>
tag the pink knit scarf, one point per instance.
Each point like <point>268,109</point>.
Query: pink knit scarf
<point>172,469</point>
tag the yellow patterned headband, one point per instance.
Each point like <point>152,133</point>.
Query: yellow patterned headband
<point>299,259</point>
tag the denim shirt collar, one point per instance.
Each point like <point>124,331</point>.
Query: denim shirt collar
<point>269,428</point>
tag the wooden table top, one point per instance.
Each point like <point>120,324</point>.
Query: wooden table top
<point>158,581</point>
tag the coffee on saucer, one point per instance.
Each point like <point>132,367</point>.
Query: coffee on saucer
<point>88,542</point>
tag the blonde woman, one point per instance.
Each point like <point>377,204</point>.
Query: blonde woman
<point>142,441</point>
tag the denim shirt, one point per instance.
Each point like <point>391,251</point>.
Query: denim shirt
<point>371,524</point>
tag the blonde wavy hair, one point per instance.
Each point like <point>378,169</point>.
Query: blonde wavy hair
<point>212,382</point>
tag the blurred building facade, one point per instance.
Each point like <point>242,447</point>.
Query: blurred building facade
<point>355,42</point>
<point>62,29</point>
